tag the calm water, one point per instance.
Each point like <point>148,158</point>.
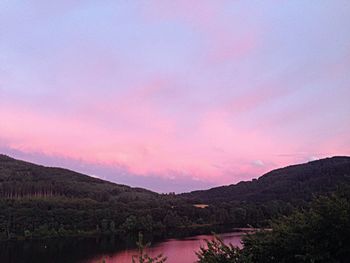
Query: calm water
<point>176,250</point>
<point>111,250</point>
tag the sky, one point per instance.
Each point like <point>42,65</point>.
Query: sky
<point>174,95</point>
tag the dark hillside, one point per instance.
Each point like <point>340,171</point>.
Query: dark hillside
<point>22,179</point>
<point>40,202</point>
<point>292,183</point>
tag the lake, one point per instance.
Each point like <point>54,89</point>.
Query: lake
<point>111,250</point>
<point>176,250</point>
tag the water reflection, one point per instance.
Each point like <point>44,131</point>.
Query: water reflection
<point>111,249</point>
<point>176,250</point>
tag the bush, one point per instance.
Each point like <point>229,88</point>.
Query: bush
<point>143,257</point>
<point>321,234</point>
<point>318,235</point>
<point>218,252</point>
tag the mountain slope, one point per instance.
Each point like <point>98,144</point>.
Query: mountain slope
<point>20,179</point>
<point>292,183</point>
<point>39,202</point>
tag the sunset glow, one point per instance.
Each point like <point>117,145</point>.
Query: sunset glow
<point>174,95</point>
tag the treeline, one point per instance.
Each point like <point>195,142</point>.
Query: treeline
<point>13,190</point>
<point>60,216</point>
<point>39,202</point>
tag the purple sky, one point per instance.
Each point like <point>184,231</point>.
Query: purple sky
<point>174,95</point>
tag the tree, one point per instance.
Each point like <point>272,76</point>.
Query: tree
<point>143,257</point>
<point>320,234</point>
<point>130,224</point>
<point>172,220</point>
<point>218,252</point>
<point>112,226</point>
<point>104,225</point>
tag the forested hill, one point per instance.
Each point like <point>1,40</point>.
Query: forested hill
<point>293,183</point>
<point>40,202</point>
<point>20,179</point>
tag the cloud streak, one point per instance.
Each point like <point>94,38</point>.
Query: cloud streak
<point>147,90</point>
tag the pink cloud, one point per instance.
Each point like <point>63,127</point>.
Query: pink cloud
<point>135,133</point>
<point>185,89</point>
<point>150,147</point>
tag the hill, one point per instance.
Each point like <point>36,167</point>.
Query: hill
<point>38,201</point>
<point>41,202</point>
<point>19,179</point>
<point>290,184</point>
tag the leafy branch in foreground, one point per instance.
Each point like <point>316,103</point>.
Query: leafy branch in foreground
<point>218,252</point>
<point>320,234</point>
<point>143,257</point>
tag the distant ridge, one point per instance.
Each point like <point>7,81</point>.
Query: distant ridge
<point>41,202</point>
<point>23,179</point>
<point>20,178</point>
<point>294,182</point>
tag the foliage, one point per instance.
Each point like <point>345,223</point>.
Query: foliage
<point>143,257</point>
<point>218,252</point>
<point>320,234</point>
